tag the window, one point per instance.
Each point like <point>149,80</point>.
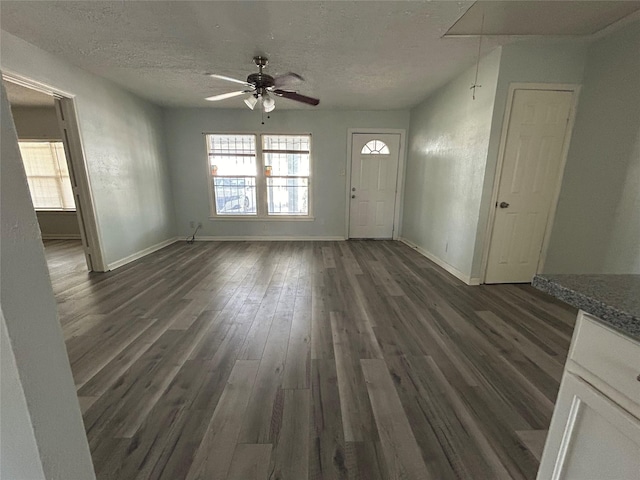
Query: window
<point>232,159</point>
<point>375,147</point>
<point>268,179</point>
<point>286,161</point>
<point>48,175</point>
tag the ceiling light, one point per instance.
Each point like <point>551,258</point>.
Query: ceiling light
<point>251,101</point>
<point>268,103</point>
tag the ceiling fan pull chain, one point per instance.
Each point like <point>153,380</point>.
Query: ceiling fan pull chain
<point>475,83</point>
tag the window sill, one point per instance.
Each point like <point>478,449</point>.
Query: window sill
<point>283,218</point>
<point>51,210</point>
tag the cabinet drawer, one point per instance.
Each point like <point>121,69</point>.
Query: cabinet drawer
<point>610,356</point>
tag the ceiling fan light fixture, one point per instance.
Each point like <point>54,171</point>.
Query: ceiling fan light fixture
<point>251,102</point>
<point>268,103</point>
<point>263,87</point>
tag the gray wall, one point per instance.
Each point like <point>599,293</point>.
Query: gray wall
<point>448,144</point>
<point>124,149</point>
<point>36,123</point>
<point>597,224</point>
<point>40,366</point>
<point>58,224</point>
<point>187,152</point>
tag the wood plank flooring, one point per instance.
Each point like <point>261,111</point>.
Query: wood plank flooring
<point>295,360</point>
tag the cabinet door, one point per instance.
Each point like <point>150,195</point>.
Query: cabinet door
<point>590,438</point>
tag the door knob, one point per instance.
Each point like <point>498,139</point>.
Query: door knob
<point>353,196</point>
<point>504,204</point>
<point>353,189</point>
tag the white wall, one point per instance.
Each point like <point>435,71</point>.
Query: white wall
<point>41,369</point>
<point>124,149</point>
<point>19,457</point>
<point>184,130</point>
<point>597,225</point>
<point>448,144</point>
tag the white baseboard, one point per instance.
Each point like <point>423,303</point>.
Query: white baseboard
<point>141,253</point>
<point>474,281</point>
<point>61,236</point>
<point>441,263</point>
<point>265,239</point>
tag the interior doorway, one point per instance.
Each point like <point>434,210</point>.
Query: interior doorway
<point>533,152</point>
<point>375,160</point>
<point>50,146</point>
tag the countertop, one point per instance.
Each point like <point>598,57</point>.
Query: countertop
<point>614,299</point>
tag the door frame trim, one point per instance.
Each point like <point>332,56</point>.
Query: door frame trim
<point>397,218</point>
<point>565,87</point>
<point>66,104</point>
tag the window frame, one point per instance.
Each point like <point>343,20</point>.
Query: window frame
<point>60,178</point>
<point>262,214</point>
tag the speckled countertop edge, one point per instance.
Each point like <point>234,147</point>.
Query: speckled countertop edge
<point>625,322</point>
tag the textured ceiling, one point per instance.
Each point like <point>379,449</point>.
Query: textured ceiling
<point>20,96</point>
<point>354,55</point>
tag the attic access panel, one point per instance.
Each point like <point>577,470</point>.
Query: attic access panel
<point>541,17</point>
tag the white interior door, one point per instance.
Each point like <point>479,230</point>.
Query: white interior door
<point>374,174</point>
<point>536,135</point>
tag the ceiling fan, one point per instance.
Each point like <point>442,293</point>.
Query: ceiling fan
<point>264,87</point>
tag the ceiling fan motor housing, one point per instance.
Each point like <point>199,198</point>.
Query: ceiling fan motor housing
<point>261,80</point>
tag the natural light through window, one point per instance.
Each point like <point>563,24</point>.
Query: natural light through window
<point>48,175</point>
<point>375,147</point>
<point>269,178</point>
<point>232,159</point>
<point>286,160</point>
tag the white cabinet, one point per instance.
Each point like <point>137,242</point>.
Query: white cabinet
<point>595,430</point>
<point>591,437</point>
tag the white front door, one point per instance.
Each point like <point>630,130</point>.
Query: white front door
<point>374,174</point>
<point>536,136</point>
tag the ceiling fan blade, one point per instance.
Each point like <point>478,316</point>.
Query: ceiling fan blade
<point>229,79</point>
<point>297,97</point>
<point>224,96</point>
<point>287,79</point>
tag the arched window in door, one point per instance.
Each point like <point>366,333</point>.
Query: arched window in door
<point>375,147</point>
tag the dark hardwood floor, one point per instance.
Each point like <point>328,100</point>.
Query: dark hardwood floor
<point>294,360</point>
